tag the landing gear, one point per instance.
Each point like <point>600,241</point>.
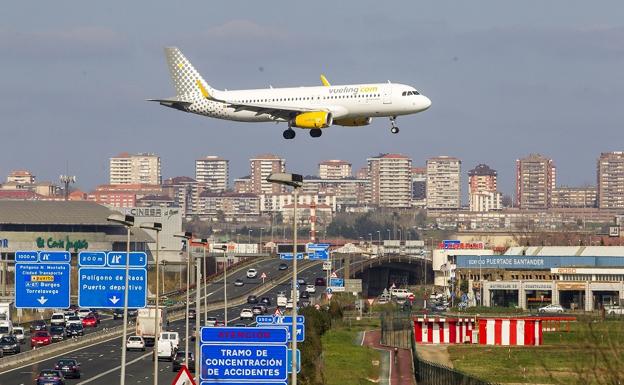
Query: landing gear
<point>394,129</point>
<point>316,132</point>
<point>289,133</point>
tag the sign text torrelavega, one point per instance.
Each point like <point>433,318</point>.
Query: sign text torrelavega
<point>66,244</point>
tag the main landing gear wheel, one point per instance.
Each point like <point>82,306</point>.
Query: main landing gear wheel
<point>289,134</point>
<point>394,129</point>
<point>315,133</point>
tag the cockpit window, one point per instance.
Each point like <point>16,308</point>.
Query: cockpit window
<point>408,93</point>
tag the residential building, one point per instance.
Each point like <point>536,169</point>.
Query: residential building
<point>21,177</point>
<point>486,201</point>
<point>261,167</point>
<point>228,206</point>
<point>243,185</point>
<point>535,181</point>
<point>419,187</point>
<point>141,168</point>
<point>482,194</point>
<point>185,192</point>
<point>390,177</point>
<point>213,171</point>
<point>576,197</point>
<point>443,183</point>
<point>277,202</point>
<point>610,172</point>
<point>334,169</point>
<point>349,192</point>
<point>122,195</point>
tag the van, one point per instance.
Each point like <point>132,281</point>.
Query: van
<point>58,319</point>
<point>165,350</point>
<point>6,328</point>
<point>400,293</point>
<point>174,337</point>
<point>281,301</point>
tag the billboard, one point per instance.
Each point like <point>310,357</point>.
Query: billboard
<point>521,262</point>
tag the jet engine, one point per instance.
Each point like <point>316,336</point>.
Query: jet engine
<point>313,119</point>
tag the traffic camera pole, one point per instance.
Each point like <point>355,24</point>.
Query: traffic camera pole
<point>293,380</point>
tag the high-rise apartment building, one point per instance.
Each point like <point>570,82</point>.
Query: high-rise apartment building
<point>419,186</point>
<point>535,181</point>
<point>213,172</point>
<point>610,172</point>
<point>261,167</point>
<point>390,178</point>
<point>443,183</point>
<point>135,169</point>
<point>482,194</point>
<point>574,197</point>
<point>334,169</point>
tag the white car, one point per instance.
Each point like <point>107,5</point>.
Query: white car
<point>68,314</point>
<point>83,313</point>
<point>74,320</point>
<point>135,343</point>
<point>211,321</point>
<point>551,309</point>
<point>252,273</point>
<point>289,304</point>
<point>400,293</point>
<point>58,319</point>
<point>611,309</point>
<point>311,289</point>
<point>246,314</point>
<point>18,332</point>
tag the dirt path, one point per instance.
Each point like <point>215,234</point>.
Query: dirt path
<point>435,353</point>
<point>400,371</point>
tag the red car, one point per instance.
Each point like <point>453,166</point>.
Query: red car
<point>40,338</point>
<point>89,320</point>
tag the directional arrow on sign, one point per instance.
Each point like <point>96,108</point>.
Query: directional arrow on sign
<point>114,299</point>
<point>42,300</point>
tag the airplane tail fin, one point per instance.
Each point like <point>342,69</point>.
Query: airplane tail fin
<point>187,81</point>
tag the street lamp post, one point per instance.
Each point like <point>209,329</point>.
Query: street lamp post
<point>225,307</point>
<point>187,237</point>
<point>295,181</point>
<point>128,222</point>
<point>370,237</point>
<point>204,242</point>
<point>262,228</point>
<point>378,245</point>
<point>388,230</point>
<point>249,236</point>
<point>156,226</point>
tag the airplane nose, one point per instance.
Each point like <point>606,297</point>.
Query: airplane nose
<point>426,103</point>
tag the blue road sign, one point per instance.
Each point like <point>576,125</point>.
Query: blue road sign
<point>285,321</point>
<point>102,287</point>
<point>264,319</point>
<point>26,256</point>
<point>290,360</point>
<point>336,282</point>
<point>319,255</point>
<point>244,335</point>
<point>92,258</point>
<point>254,363</point>
<point>118,259</point>
<point>328,290</point>
<point>54,256</point>
<point>42,285</point>
<point>290,256</point>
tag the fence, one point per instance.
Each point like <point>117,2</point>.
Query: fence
<point>396,329</point>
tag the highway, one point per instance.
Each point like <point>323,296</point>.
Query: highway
<point>101,361</point>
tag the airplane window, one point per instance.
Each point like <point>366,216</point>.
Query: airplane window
<point>416,92</point>
<point>404,93</point>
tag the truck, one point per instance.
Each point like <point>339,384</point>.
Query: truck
<point>145,323</point>
<point>5,310</point>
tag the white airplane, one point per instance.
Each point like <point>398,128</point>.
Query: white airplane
<point>313,108</point>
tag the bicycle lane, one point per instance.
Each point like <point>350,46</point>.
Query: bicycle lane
<point>399,373</point>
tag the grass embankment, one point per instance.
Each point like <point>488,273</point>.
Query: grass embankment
<point>345,362</point>
<point>591,353</point>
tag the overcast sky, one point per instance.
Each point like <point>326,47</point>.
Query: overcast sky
<point>506,78</point>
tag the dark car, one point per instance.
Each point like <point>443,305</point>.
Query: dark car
<point>118,313</point>
<point>57,333</point>
<point>132,312</point>
<point>301,281</point>
<point>74,330</point>
<point>319,281</point>
<point>239,282</point>
<point>9,345</point>
<point>37,325</point>
<point>252,299</point>
<point>283,266</point>
<point>257,310</point>
<point>96,314</point>
<point>69,367</point>
<point>304,294</point>
<point>178,360</point>
<point>192,314</point>
<point>73,308</point>
<point>266,301</point>
<point>50,377</point>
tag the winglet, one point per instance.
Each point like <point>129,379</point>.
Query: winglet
<point>202,89</point>
<point>324,81</point>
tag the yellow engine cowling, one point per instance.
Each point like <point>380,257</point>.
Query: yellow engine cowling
<point>353,122</point>
<point>314,119</point>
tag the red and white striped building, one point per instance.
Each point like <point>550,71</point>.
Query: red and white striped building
<point>443,330</point>
<point>510,331</point>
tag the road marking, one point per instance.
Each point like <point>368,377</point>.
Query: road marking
<point>114,369</point>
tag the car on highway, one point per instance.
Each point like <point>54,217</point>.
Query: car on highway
<point>252,273</point>
<point>305,302</point>
<point>289,304</point>
<point>69,367</point>
<point>83,313</point>
<point>74,330</point>
<point>40,338</point>
<point>135,343</point>
<point>283,266</point>
<point>58,319</point>
<point>246,314</point>
<point>18,332</point>
<point>178,361</point>
<point>320,281</point>
<point>50,377</point>
<point>310,289</point>
<point>73,307</point>
<point>211,321</point>
<point>57,332</point>
<point>68,313</point>
<point>97,315</point>
<point>301,281</point>
<point>192,314</point>
<point>73,320</point>
<point>240,325</point>
<point>304,294</point>
<point>38,325</point>
<point>257,310</point>
<point>118,313</point>
<point>89,320</point>
<point>266,301</point>
<point>9,345</point>
<point>220,323</point>
<point>551,309</point>
<point>252,299</point>
<point>282,300</point>
<point>239,282</point>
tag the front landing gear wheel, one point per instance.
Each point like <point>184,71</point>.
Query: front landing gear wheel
<point>394,130</point>
<point>289,134</point>
<point>315,133</point>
